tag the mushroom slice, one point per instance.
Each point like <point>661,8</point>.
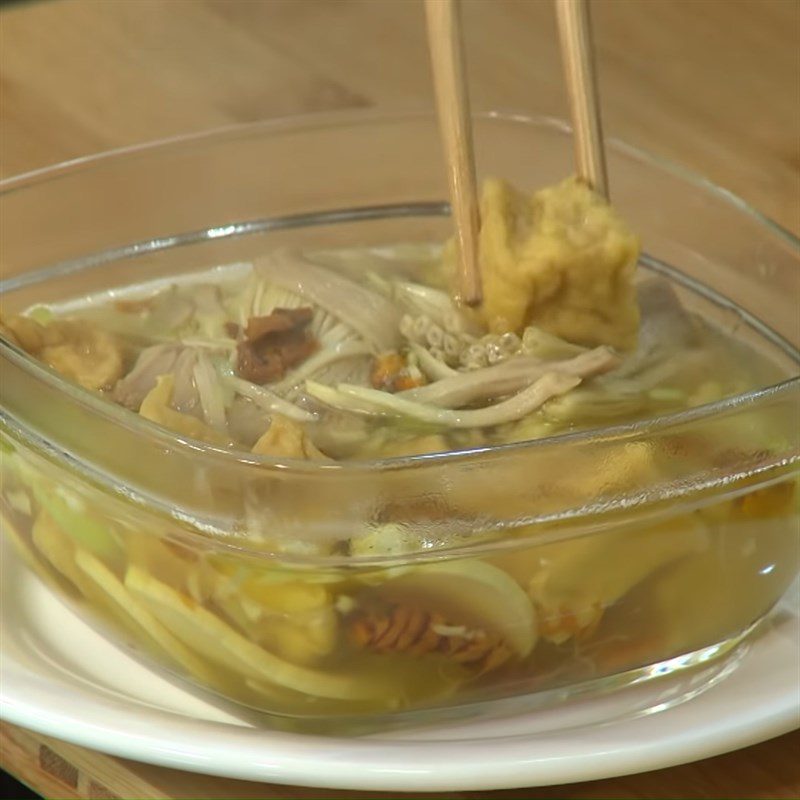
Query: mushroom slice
<point>214,639</point>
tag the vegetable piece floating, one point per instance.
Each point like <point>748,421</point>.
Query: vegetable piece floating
<point>360,353</point>
<point>215,640</point>
<point>561,259</point>
<point>274,343</point>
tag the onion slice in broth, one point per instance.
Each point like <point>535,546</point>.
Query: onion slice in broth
<point>375,317</point>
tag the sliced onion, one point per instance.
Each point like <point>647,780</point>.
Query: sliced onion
<point>209,344</point>
<point>171,311</point>
<point>267,399</point>
<point>185,397</point>
<point>433,303</point>
<point>374,317</point>
<point>246,420</point>
<point>320,360</point>
<point>212,399</point>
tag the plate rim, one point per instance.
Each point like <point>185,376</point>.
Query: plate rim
<point>477,771</point>
<point>63,705</point>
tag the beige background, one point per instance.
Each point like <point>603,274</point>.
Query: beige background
<point>714,84</point>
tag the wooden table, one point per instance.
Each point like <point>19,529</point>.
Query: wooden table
<point>714,84</point>
<point>56,769</point>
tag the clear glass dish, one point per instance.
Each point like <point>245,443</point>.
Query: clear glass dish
<point>667,541</point>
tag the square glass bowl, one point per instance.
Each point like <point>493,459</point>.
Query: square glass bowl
<point>665,544</point>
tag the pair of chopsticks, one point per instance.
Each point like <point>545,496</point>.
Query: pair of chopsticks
<point>447,56</point>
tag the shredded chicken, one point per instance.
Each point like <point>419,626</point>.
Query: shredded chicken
<point>464,388</point>
<point>274,343</point>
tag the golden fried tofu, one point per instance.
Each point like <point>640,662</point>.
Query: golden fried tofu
<point>77,349</point>
<point>561,259</point>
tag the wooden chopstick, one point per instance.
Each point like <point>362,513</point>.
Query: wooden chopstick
<point>577,52</point>
<point>452,100</point>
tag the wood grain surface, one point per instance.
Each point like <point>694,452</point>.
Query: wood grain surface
<point>448,65</point>
<point>713,84</point>
<point>60,770</point>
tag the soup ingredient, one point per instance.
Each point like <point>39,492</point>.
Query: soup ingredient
<point>101,587</point>
<point>392,373</point>
<point>237,343</point>
<point>370,401</point>
<point>274,343</point>
<point>71,514</point>
<point>480,385</point>
<point>24,332</point>
<point>160,359</point>
<point>209,635</point>
<point>134,615</point>
<point>239,352</point>
<point>58,549</point>
<point>411,631</point>
<point>287,438</point>
<point>561,259</point>
<point>22,546</point>
<point>446,342</point>
<point>77,349</point>
<point>571,594</point>
<point>294,619</point>
<point>374,317</point>
<point>156,407</point>
<point>387,612</point>
<point>467,593</point>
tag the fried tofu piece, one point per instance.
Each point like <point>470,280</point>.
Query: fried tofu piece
<point>561,259</point>
<point>287,438</point>
<point>75,348</point>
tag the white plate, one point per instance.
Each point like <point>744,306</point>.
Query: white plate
<point>61,678</point>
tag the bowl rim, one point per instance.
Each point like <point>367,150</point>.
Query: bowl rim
<point>321,119</point>
<point>124,417</point>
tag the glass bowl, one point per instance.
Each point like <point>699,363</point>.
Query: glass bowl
<point>529,573</point>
